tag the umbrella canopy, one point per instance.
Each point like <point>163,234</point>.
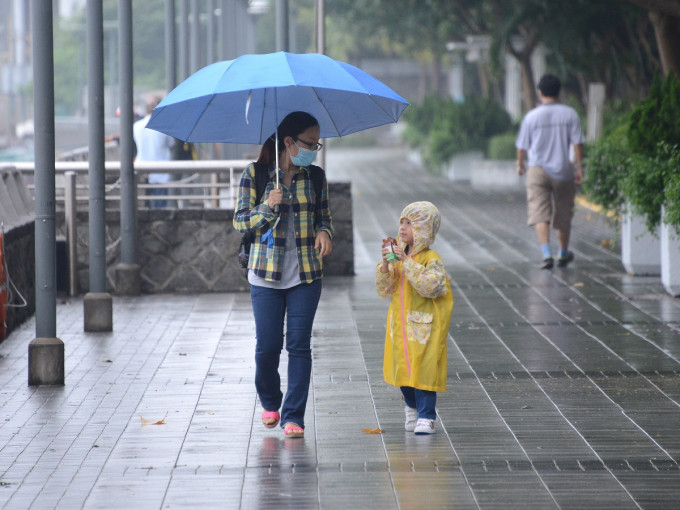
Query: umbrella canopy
<point>244,100</point>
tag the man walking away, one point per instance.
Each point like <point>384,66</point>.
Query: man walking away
<point>544,137</point>
<point>153,146</point>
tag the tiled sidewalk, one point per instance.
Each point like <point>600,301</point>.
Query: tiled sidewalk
<point>564,385</point>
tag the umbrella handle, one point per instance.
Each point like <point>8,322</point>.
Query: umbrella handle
<point>276,170</point>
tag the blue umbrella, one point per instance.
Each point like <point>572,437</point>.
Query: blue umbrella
<point>244,100</point>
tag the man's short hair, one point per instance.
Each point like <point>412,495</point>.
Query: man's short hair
<point>549,85</point>
<point>152,103</point>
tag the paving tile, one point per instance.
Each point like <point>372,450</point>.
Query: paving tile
<point>563,387</point>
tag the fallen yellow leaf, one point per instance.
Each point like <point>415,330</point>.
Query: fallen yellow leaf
<point>149,422</point>
<point>372,431</point>
<point>579,284</point>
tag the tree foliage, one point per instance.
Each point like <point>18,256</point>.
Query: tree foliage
<point>442,128</point>
<point>656,119</point>
<point>70,52</point>
<point>605,40</point>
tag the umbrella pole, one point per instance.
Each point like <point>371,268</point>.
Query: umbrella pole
<point>276,150</point>
<point>276,135</point>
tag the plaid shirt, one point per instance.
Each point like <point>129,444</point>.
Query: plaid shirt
<point>298,199</point>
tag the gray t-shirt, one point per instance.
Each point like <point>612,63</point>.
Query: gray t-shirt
<point>290,273</point>
<point>546,134</point>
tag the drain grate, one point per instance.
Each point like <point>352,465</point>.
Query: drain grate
<point>491,466</point>
<point>564,374</point>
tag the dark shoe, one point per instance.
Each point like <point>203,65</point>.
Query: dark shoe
<point>547,263</point>
<point>564,261</point>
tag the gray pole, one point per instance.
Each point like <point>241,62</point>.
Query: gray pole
<point>183,39</point>
<point>229,41</point>
<point>194,37</point>
<point>321,48</point>
<point>282,42</point>
<point>228,52</point>
<point>210,52</point>
<point>210,33</point>
<point>127,272</point>
<point>321,26</point>
<point>170,42</point>
<point>98,307</point>
<point>46,351</point>
<point>225,53</point>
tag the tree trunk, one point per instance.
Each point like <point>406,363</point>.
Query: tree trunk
<point>523,56</point>
<point>667,32</point>
<point>437,86</point>
<point>422,81</point>
<point>482,72</point>
<point>529,97</point>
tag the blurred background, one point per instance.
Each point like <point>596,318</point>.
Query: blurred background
<point>468,67</point>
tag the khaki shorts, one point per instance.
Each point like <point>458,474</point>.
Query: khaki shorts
<point>549,200</point>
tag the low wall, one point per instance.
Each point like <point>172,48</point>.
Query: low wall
<point>195,250</point>
<point>18,246</point>
<point>19,254</point>
<point>489,173</point>
<point>484,173</point>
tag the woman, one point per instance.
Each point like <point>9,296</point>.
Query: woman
<point>293,233</point>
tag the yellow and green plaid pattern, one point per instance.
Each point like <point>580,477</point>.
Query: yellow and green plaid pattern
<point>298,199</point>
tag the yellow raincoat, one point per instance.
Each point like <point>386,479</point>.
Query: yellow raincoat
<point>420,312</point>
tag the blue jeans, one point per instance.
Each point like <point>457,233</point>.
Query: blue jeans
<point>423,401</point>
<point>298,305</point>
<point>158,192</point>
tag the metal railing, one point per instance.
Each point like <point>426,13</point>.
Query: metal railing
<point>71,188</point>
<point>207,183</point>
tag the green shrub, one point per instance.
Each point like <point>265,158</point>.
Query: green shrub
<point>606,164</point>
<point>360,139</point>
<point>643,187</point>
<point>638,162</point>
<point>421,120</point>
<point>656,119</point>
<point>671,156</point>
<point>654,131</point>
<point>442,128</point>
<point>502,146</point>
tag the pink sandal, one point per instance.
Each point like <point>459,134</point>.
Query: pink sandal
<point>270,415</point>
<point>293,430</point>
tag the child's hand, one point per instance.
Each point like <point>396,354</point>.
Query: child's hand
<point>399,252</point>
<point>384,268</point>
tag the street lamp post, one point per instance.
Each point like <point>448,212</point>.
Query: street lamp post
<point>98,305</point>
<point>46,351</point>
<point>127,271</point>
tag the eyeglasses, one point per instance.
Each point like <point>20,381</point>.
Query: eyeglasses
<point>314,147</point>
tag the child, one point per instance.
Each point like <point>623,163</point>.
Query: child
<point>419,315</point>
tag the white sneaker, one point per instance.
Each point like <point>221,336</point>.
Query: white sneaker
<point>411,418</point>
<point>424,426</point>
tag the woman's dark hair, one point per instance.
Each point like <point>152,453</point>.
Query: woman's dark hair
<point>294,124</point>
<point>549,85</point>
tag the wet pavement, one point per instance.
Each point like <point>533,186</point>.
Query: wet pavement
<point>563,389</point>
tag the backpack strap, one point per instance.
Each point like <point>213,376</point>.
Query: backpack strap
<point>261,179</point>
<point>317,174</point>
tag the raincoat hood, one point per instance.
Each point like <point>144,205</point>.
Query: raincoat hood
<point>425,220</point>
